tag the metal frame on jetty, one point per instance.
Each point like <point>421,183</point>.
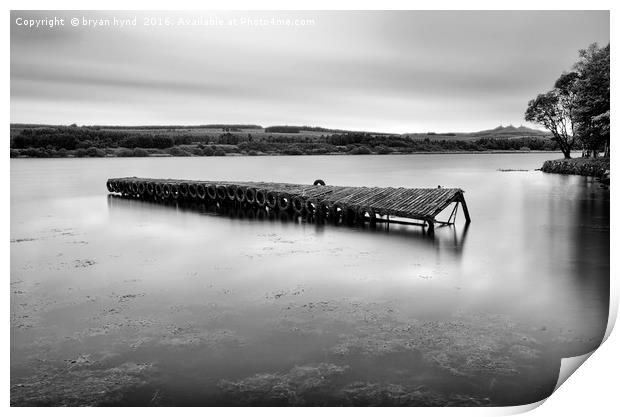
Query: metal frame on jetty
<point>338,203</point>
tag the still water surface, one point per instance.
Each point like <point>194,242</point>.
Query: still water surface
<point>125,302</point>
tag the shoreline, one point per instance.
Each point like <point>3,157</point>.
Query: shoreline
<point>236,154</point>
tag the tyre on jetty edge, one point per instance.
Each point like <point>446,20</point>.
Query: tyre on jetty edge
<point>201,192</point>
<point>271,199</point>
<point>299,204</point>
<point>166,190</point>
<point>250,195</point>
<point>211,192</point>
<point>141,188</point>
<point>337,211</point>
<point>284,201</point>
<point>240,194</point>
<point>260,197</point>
<point>366,214</point>
<point>191,190</point>
<point>324,209</point>
<point>222,192</point>
<point>312,205</point>
<point>183,189</point>
<point>174,190</point>
<point>134,187</point>
<point>231,192</point>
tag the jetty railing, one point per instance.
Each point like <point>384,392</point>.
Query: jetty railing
<point>353,204</point>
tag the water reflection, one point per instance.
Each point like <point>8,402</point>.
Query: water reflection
<point>449,238</point>
<point>589,251</point>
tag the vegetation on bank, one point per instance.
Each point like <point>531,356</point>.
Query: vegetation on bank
<point>89,141</point>
<point>592,167</point>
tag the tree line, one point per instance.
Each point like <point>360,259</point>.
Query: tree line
<point>80,138</point>
<point>71,138</point>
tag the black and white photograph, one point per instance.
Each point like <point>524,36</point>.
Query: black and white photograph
<point>301,208</point>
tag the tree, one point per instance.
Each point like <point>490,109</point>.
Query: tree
<point>591,88</point>
<point>555,111</point>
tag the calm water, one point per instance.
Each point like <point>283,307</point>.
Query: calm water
<point>126,302</point>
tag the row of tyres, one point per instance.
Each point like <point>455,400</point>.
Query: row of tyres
<point>271,196</point>
<point>213,191</point>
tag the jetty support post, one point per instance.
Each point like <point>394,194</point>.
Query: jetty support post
<point>461,200</point>
<point>452,218</point>
<point>430,222</point>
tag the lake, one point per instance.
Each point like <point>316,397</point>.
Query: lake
<point>126,302</point>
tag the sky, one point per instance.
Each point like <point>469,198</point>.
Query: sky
<point>387,71</point>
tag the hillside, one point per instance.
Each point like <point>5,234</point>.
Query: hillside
<point>510,130</point>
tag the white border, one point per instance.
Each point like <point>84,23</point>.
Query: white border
<point>590,391</point>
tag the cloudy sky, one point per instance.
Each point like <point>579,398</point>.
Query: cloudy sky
<point>381,71</point>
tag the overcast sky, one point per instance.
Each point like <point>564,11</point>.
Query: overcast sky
<point>381,71</point>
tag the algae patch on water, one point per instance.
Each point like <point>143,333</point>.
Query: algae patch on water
<point>324,384</point>
<point>291,388</point>
<point>80,384</point>
<point>465,345</point>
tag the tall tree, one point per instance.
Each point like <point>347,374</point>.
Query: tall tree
<point>555,111</point>
<point>593,98</point>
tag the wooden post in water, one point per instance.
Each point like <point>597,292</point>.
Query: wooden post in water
<point>465,211</point>
<point>431,226</point>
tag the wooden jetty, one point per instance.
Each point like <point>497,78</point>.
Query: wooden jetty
<point>353,204</point>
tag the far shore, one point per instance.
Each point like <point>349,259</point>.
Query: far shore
<point>223,140</point>
<point>237,154</point>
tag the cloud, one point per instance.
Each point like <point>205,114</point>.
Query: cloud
<point>391,70</point>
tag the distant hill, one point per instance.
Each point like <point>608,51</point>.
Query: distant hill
<point>299,129</point>
<point>510,130</point>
